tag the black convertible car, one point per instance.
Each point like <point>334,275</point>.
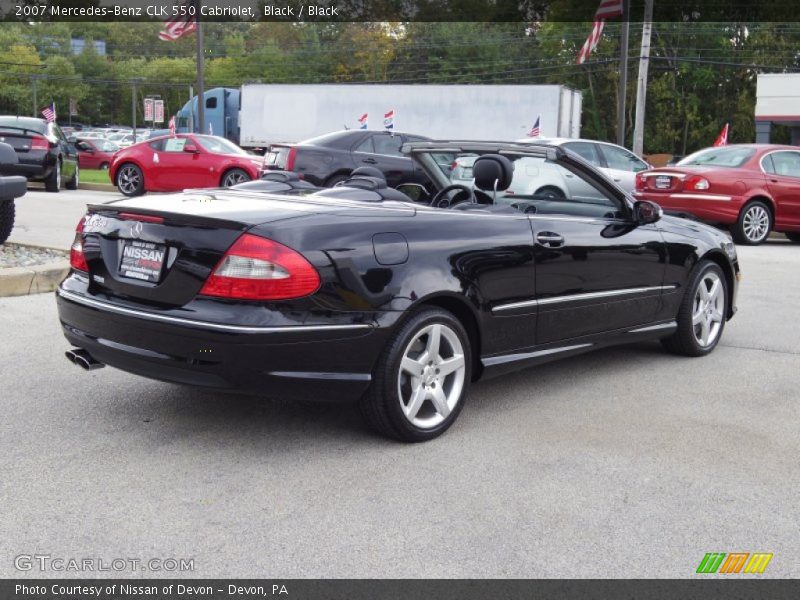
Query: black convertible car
<point>397,299</point>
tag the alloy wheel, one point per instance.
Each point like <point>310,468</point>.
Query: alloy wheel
<point>431,377</point>
<point>128,180</point>
<point>708,309</point>
<point>756,223</point>
<point>234,178</point>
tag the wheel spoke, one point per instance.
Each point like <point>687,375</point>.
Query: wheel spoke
<point>451,364</point>
<point>714,291</point>
<point>434,339</point>
<point>440,401</point>
<point>716,316</point>
<point>703,291</point>
<point>705,331</point>
<point>416,401</point>
<point>409,365</point>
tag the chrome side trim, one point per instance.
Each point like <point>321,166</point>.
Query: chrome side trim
<point>670,325</point>
<point>665,173</point>
<point>324,376</point>
<point>578,297</point>
<point>506,358</point>
<point>201,324</point>
<point>720,197</point>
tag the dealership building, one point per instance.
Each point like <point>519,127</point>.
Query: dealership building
<point>778,103</point>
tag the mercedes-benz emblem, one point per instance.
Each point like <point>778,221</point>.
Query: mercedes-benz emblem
<point>136,229</point>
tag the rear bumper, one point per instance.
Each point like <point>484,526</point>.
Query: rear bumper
<point>713,208</point>
<point>330,363</point>
<point>29,170</point>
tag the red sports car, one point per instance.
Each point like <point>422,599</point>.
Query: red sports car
<point>95,153</point>
<point>182,161</point>
<point>751,188</point>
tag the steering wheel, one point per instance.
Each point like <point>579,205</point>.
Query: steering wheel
<point>440,200</point>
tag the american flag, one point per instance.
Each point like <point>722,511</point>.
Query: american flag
<point>172,125</point>
<point>535,131</point>
<point>388,119</point>
<point>49,113</point>
<point>362,120</point>
<point>608,9</point>
<point>179,26</point>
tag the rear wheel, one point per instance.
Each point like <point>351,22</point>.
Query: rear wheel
<point>422,378</point>
<point>130,180</point>
<point>753,225</point>
<point>701,316</point>
<point>53,181</point>
<point>234,176</point>
<point>72,184</point>
<point>104,166</point>
<point>795,237</point>
<point>7,211</point>
<point>550,193</point>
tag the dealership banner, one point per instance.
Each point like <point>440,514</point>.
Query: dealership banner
<point>395,589</point>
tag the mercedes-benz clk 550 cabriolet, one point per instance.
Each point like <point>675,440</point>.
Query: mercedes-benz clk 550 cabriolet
<point>398,299</point>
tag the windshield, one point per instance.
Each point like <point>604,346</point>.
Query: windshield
<point>106,146</point>
<point>218,145</point>
<point>729,157</point>
<point>22,123</point>
<point>324,140</point>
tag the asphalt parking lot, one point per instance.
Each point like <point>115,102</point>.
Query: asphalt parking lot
<point>623,463</point>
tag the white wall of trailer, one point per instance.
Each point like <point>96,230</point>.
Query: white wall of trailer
<point>291,113</point>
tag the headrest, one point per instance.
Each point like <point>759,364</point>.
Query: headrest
<point>368,172</point>
<point>363,182</point>
<point>492,172</point>
<point>8,156</point>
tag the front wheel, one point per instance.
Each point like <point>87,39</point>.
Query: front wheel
<point>7,211</point>
<point>421,381</point>
<point>130,180</point>
<point>753,225</point>
<point>234,177</point>
<point>701,315</point>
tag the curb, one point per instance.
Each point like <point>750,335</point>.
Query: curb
<point>21,281</point>
<point>97,187</point>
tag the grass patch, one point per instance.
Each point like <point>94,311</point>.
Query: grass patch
<point>95,176</point>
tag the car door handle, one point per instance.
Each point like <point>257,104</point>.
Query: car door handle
<point>550,239</point>
<point>370,161</point>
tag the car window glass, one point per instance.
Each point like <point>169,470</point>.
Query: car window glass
<point>175,144</point>
<point>585,150</point>
<point>108,146</point>
<point>721,156</point>
<point>366,146</point>
<point>157,145</point>
<point>387,144</point>
<point>621,159</point>
<point>785,163</point>
<point>218,145</point>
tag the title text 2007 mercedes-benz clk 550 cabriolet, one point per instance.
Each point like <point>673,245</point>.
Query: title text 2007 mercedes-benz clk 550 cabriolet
<point>399,299</point>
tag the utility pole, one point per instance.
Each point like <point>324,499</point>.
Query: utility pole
<point>35,103</point>
<point>641,86</point>
<point>190,124</point>
<point>133,105</point>
<point>201,88</point>
<point>623,71</point>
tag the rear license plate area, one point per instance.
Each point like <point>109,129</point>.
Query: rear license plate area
<point>663,182</point>
<point>143,261</point>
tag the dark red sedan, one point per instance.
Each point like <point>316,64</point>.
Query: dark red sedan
<point>179,162</point>
<point>95,153</point>
<point>752,188</point>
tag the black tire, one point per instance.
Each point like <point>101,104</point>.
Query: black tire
<point>7,212</point>
<point>794,237</point>
<point>233,177</point>
<point>72,184</point>
<point>104,166</point>
<point>742,230</point>
<point>382,406</point>
<point>684,341</point>
<point>53,181</point>
<point>334,179</point>
<point>125,181</point>
<point>551,192</point>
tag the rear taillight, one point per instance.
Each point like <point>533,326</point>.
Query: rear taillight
<point>40,143</point>
<point>256,268</point>
<point>76,258</point>
<point>696,183</point>
<point>639,182</point>
<point>290,159</point>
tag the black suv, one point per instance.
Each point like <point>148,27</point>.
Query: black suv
<point>329,159</point>
<point>43,152</point>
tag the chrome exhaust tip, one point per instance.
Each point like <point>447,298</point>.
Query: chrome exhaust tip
<point>83,359</point>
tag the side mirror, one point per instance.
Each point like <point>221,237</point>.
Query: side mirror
<point>646,212</point>
<point>191,148</point>
<point>415,191</point>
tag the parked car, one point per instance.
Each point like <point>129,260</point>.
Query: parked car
<point>329,159</point>
<point>618,163</point>
<point>751,188</point>
<point>43,152</point>
<point>359,293</point>
<point>11,188</point>
<point>172,163</point>
<point>95,153</point>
